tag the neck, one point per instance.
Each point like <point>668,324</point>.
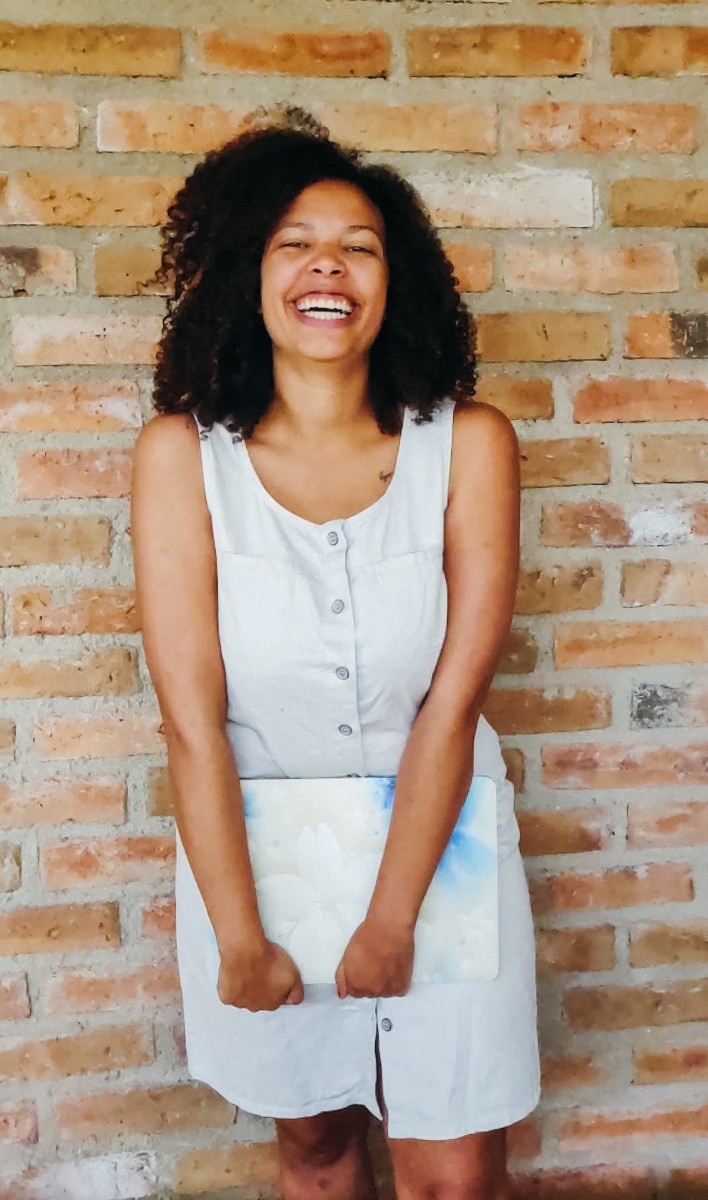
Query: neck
<point>319,400</point>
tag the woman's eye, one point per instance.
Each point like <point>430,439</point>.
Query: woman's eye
<point>296,245</point>
<point>361,249</point>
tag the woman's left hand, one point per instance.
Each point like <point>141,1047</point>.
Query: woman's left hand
<point>378,961</point>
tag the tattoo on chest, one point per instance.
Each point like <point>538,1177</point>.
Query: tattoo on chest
<point>384,476</point>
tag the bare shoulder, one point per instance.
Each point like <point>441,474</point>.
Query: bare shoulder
<point>483,440</point>
<point>166,435</point>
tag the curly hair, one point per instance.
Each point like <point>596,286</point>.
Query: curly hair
<point>215,356</point>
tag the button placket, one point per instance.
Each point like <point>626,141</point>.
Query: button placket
<point>342,646</point>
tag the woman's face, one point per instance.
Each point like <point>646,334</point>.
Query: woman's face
<point>324,275</point>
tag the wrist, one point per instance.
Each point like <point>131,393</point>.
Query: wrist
<point>391,919</point>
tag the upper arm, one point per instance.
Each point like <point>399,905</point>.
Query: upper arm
<point>175,575</point>
<point>481,555</point>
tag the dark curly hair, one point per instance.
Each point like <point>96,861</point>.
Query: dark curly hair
<point>215,355</point>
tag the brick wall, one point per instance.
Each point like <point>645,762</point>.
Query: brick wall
<point>562,150</point>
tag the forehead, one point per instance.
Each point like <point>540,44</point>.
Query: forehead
<point>335,202</point>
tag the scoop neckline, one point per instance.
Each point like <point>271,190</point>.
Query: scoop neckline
<point>320,525</point>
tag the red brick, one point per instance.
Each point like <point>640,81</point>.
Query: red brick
<point>472,265</point>
<point>610,1007</point>
<point>559,588</point>
<point>559,831</point>
<point>598,765</point>
<point>107,672</point>
<point>675,203</point>
<point>57,474</point>
<point>102,861</point>
<point>520,399</point>
<point>47,123</point>
<point>676,1123</point>
<point>91,406</point>
<point>58,928</point>
<point>617,887</point>
<point>655,944</point>
<point>659,50</point>
<point>86,610</point>
<point>556,462</point>
<point>667,335</point>
<point>158,920</point>
<point>589,268</point>
<point>55,801</point>
<point>35,198</point>
<point>29,541</point>
<point>36,271</point>
<point>573,950</point>
<point>128,270</point>
<point>19,1124</point>
<point>84,341</point>
<point>588,1183</point>
<point>660,581</point>
<point>682,1064</point>
<point>155,1110</point>
<point>571,1071</point>
<point>91,991</point>
<point>454,128</point>
<point>630,644</point>
<point>667,824</point>
<point>226,1167</point>
<point>14,998</point>
<point>99,736</point>
<point>544,336</point>
<point>543,710</point>
<point>90,49</point>
<point>496,50</point>
<point>519,653</point>
<point>669,458</point>
<point>599,128</point>
<point>605,523</point>
<point>165,125</point>
<point>105,1049</point>
<point>324,51</point>
<point>619,399</point>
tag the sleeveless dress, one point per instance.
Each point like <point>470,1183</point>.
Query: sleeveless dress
<point>329,636</point>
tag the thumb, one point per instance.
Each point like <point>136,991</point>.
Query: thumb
<point>341,981</point>
<point>296,994</point>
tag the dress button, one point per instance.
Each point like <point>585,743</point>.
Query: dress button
<point>345,729</point>
<point>332,538</point>
<point>338,606</point>
<point>386,1025</point>
<point>342,673</point>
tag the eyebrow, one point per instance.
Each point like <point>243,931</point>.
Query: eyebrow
<point>308,225</point>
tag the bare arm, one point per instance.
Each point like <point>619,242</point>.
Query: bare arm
<point>175,572</point>
<point>481,568</point>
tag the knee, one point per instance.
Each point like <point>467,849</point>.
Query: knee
<point>472,1187</point>
<point>318,1142</point>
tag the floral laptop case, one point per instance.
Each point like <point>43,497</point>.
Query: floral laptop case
<point>315,848</point>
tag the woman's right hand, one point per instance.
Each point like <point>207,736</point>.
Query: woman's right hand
<point>259,977</point>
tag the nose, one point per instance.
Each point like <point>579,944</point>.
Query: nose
<point>327,262</point>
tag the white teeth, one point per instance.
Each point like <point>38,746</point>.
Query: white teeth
<point>328,316</point>
<point>337,307</point>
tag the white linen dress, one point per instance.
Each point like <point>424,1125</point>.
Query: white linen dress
<point>330,634</point>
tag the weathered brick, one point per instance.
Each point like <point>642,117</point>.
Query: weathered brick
<point>585,268</point>
<point>473,265</point>
<point>520,399</point>
<point>659,50</point>
<point>611,1007</point>
<point>14,998</point>
<point>118,1175</point>
<point>19,1124</point>
<point>519,653</point>
<point>56,801</point>
<point>44,123</point>
<point>165,125</point>
<point>102,861</point>
<point>590,1182</point>
<point>108,672</point>
<point>514,200</point>
<point>573,950</point>
<point>154,1110</point>
<point>618,887</point>
<point>159,799</point>
<point>29,541</point>
<point>98,736</point>
<point>515,764</point>
<point>36,270</point>
<point>7,736</point>
<point>10,867</point>
<point>449,127</point>
<point>662,705</point>
<point>682,1064</point>
<point>656,944</point>
<point>660,581</point>
<point>227,1167</point>
<point>599,128</point>
<point>605,523</point>
<point>598,765</point>
<point>668,824</point>
<point>106,1049</point>
<point>125,270</point>
<point>90,406</point>
<point>59,927</point>
<point>543,336</point>
<point>669,458</point>
<point>88,991</point>
<point>559,588</point>
<point>560,462</point>
<point>585,1127</point>
<point>324,51</point>
<point>56,474</point>
<point>667,335</point>
<point>546,710</point>
<point>622,399</point>
<point>563,831</point>
<point>84,340</point>
<point>530,50</point>
<point>34,198</point>
<point>570,1071</point>
<point>702,272</point>
<point>87,610</point>
<point>158,920</point>
<point>90,49</point>
<point>630,644</point>
<point>670,202</point>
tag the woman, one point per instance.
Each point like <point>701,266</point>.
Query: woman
<point>326,575</point>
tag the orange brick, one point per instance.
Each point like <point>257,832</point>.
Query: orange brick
<point>619,887</point>
<point>166,125</point>
<point>530,50</point>
<point>14,998</point>
<point>103,861</point>
<point>520,399</point>
<point>654,945</point>
<point>324,51</point>
<point>571,1071</point>
<point>586,1127</point>
<point>19,1124</point>
<point>128,271</point>
<point>557,462</point>
<point>544,336</point>
<point>682,1064</point>
<point>57,474</point>
<point>659,50</point>
<point>155,1110</point>
<point>610,1007</point>
<point>106,1049</point>
<point>519,653</point>
<point>559,588</point>
<point>90,49</point>
<point>29,541</point>
<point>603,523</point>
<point>7,736</point>
<point>702,272</point>
<point>667,824</point>
<point>621,399</point>
<point>586,268</point>
<point>58,928</point>
<point>590,1183</point>
<point>88,991</point>
<point>33,198</point>
<point>669,458</point>
<point>666,335</point>
<point>599,128</point>
<point>98,736</point>
<point>46,123</point>
<point>472,265</point>
<point>159,802</point>
<point>572,950</point>
<point>36,270</point>
<point>158,920</point>
<point>87,610</point>
<point>84,340</point>
<point>99,406</point>
<point>660,581</point>
<point>55,801</point>
<point>432,127</point>
<point>630,644</point>
<point>546,710</point>
<point>558,831</point>
<point>672,202</point>
<point>107,672</point>
<point>597,765</point>
<point>226,1167</point>
<point>515,767</point>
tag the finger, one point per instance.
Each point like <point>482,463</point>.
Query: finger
<point>296,994</point>
<point>340,980</point>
